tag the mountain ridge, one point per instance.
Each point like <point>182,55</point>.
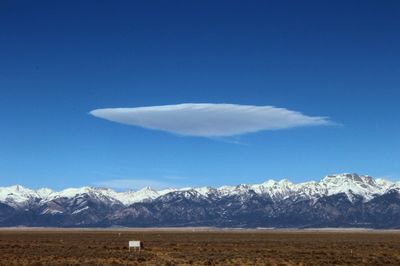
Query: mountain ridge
<point>335,200</point>
<point>329,185</point>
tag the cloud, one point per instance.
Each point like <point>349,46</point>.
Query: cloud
<point>210,120</point>
<point>134,184</point>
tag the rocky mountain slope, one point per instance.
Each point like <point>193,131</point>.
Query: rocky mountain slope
<point>345,200</point>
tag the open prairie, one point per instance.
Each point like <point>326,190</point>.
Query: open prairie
<point>198,247</point>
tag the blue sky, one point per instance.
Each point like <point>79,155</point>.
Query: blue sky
<point>59,60</point>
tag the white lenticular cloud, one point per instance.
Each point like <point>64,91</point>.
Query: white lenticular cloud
<point>210,120</point>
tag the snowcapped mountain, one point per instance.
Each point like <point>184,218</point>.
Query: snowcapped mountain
<point>350,184</point>
<point>347,196</point>
<point>18,195</point>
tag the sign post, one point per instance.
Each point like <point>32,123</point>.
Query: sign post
<point>134,244</point>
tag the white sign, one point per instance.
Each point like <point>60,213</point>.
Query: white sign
<point>134,244</point>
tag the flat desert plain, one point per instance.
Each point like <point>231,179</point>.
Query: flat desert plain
<point>199,247</point>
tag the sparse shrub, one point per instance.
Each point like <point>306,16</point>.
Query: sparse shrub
<point>141,259</point>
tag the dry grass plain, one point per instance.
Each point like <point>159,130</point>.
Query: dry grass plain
<point>203,247</point>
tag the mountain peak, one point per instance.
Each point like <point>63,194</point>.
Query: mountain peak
<point>346,177</point>
<point>351,184</point>
<point>146,189</point>
<point>285,181</point>
<point>17,188</point>
<point>352,176</point>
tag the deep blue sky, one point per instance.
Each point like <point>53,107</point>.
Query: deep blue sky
<point>61,59</point>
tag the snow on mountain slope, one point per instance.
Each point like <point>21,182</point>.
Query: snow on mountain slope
<point>17,195</point>
<point>350,184</point>
<point>277,190</point>
<point>364,186</point>
<point>143,194</point>
<point>44,193</point>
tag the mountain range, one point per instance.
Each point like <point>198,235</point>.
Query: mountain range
<point>343,200</point>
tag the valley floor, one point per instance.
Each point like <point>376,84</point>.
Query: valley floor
<point>199,246</point>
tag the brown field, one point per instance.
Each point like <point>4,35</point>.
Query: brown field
<point>201,247</point>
